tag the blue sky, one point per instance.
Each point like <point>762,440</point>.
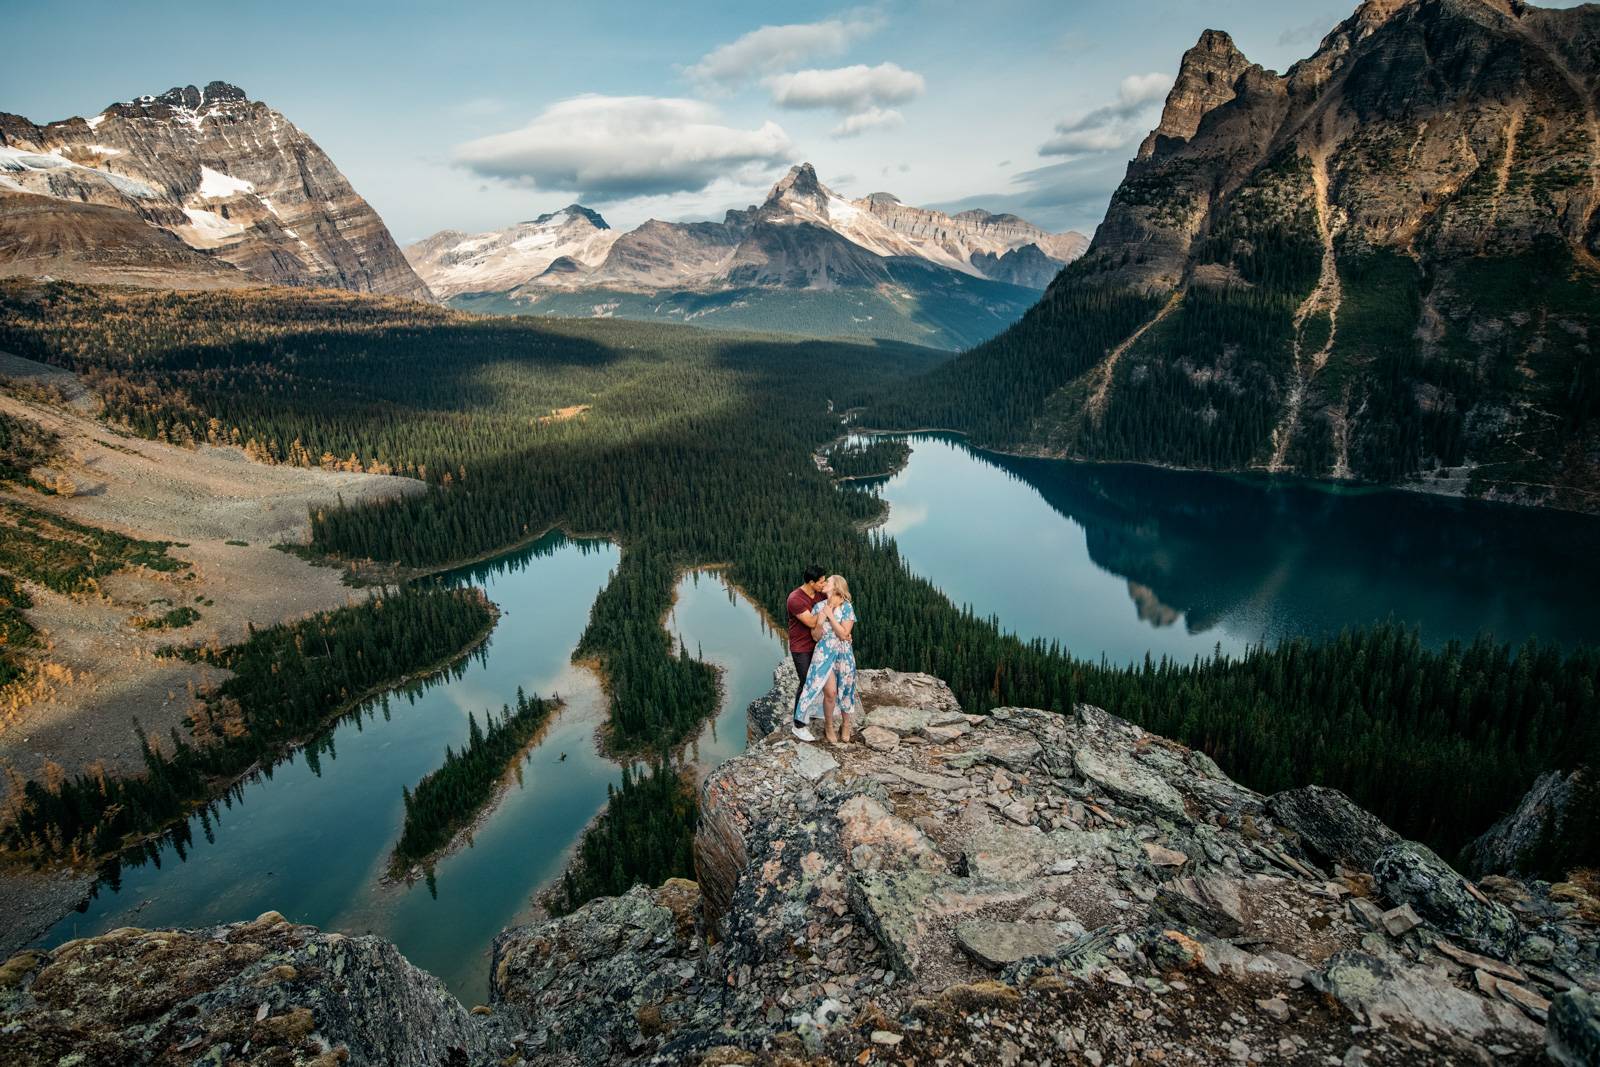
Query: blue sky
<point>473,115</point>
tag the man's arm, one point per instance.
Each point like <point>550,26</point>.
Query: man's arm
<point>809,619</point>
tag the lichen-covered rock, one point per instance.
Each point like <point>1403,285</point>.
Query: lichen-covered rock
<point>1572,1037</point>
<point>1035,886</point>
<point>614,978</point>
<point>264,992</point>
<point>1409,873</point>
<point>1332,825</point>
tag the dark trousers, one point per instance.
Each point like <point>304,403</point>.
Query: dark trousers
<point>802,667</point>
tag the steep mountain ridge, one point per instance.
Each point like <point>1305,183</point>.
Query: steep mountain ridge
<point>227,175</point>
<point>1379,266</point>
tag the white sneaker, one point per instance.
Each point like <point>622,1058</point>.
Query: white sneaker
<point>802,733</point>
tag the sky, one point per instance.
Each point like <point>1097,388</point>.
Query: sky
<point>471,116</point>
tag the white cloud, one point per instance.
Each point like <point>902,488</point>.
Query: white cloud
<point>771,48</point>
<point>1114,125</point>
<point>613,147</point>
<point>1137,89</point>
<point>848,90</point>
<point>874,118</point>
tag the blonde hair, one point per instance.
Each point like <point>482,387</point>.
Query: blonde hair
<point>843,587</point>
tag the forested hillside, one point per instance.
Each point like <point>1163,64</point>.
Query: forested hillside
<point>1380,266</point>
<point>696,448</point>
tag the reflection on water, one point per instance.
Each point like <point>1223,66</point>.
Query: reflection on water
<point>718,625</point>
<point>311,837</point>
<point>1123,560</point>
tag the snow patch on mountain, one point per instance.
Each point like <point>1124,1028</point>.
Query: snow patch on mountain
<point>214,185</point>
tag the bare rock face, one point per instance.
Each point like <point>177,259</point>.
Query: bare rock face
<point>262,992</point>
<point>229,176</point>
<point>41,236</point>
<point>1550,808</point>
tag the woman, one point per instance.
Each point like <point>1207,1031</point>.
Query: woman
<point>832,678</point>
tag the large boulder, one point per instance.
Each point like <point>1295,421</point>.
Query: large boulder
<point>1410,873</point>
<point>636,956</point>
<point>1332,825</point>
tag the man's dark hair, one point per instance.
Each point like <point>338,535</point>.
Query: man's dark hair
<point>814,573</point>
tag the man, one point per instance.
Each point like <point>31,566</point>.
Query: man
<point>804,629</point>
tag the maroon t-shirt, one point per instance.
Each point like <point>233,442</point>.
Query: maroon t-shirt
<point>800,639</point>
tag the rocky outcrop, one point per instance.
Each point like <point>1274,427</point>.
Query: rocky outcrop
<point>264,992</point>
<point>1034,886</point>
<point>1530,839</point>
<point>227,175</point>
<point>1022,886</point>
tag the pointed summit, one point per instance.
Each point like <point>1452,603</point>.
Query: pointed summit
<point>1206,80</point>
<point>799,184</point>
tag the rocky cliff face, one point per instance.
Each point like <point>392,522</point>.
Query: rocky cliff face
<point>1017,887</point>
<point>227,175</point>
<point>1379,266</point>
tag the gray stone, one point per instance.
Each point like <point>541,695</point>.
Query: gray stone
<point>1379,992</point>
<point>1410,873</point>
<point>902,721</point>
<point>1007,854</point>
<point>1400,921</point>
<point>939,782</point>
<point>999,944</point>
<point>880,740</point>
<point>1332,825</point>
<point>1117,771</point>
<point>1572,1033</point>
<point>903,908</point>
<point>811,762</point>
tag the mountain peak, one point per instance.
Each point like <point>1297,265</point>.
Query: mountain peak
<point>1206,79</point>
<point>575,211</point>
<point>800,182</point>
<point>190,97</point>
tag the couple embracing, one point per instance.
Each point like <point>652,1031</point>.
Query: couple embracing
<point>822,623</point>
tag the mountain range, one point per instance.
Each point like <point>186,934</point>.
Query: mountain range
<point>194,188</point>
<point>893,270</point>
<point>207,188</point>
<point>1379,266</point>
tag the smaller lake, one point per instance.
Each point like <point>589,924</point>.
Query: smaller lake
<point>312,838</point>
<point>1120,560</point>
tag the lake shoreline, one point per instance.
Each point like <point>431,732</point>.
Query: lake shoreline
<point>1333,487</point>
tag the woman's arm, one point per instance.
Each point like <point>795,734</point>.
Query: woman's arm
<point>843,625</point>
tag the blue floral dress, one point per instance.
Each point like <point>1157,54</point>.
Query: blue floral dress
<point>835,656</point>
